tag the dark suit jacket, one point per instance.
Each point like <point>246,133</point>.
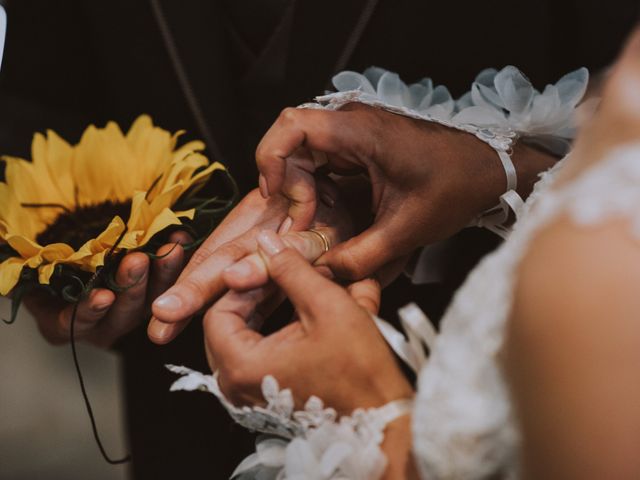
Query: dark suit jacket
<point>72,62</point>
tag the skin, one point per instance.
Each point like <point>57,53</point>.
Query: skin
<point>202,281</point>
<point>415,171</point>
<point>333,339</point>
<point>572,350</point>
<point>418,171</point>
<point>571,358</point>
<point>104,317</point>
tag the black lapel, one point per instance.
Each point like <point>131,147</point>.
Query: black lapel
<point>199,33</point>
<point>320,32</point>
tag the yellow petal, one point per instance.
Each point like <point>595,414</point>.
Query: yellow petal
<point>45,272</point>
<point>54,156</point>
<point>23,245</point>
<point>162,221</point>
<point>186,214</point>
<point>141,215</point>
<point>10,271</point>
<point>56,251</point>
<point>104,167</point>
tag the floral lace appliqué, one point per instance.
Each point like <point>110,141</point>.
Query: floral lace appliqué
<point>308,444</point>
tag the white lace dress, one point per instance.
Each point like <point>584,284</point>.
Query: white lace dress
<point>463,424</point>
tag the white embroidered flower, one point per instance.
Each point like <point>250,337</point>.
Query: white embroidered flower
<point>501,106</point>
<point>311,444</point>
<point>387,87</point>
<point>506,100</point>
<point>332,451</point>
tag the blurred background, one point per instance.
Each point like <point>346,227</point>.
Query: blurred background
<point>44,428</point>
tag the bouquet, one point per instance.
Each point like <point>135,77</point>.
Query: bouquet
<point>71,213</point>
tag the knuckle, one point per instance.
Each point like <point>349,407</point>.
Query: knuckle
<point>200,255</point>
<point>195,285</point>
<point>252,199</point>
<point>261,153</point>
<point>289,115</point>
<point>350,266</point>
<point>135,294</point>
<point>233,250</point>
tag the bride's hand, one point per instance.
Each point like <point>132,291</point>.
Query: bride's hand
<point>104,317</point>
<point>332,350</point>
<point>428,181</point>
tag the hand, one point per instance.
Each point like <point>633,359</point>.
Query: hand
<point>428,181</point>
<point>333,349</point>
<point>202,280</point>
<point>105,316</point>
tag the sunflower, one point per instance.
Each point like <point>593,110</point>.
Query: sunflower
<point>70,206</point>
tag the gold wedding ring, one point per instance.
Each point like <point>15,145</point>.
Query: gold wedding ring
<point>326,244</point>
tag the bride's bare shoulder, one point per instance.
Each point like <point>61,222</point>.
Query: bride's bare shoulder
<point>573,351</point>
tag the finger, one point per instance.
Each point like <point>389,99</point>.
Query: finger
<point>252,210</point>
<point>251,272</point>
<point>201,285</point>
<point>366,293</point>
<point>54,316</point>
<point>311,293</point>
<point>227,333</point>
<point>300,188</point>
<point>194,291</point>
<point>364,254</point>
<point>166,269</point>
<point>129,307</point>
<point>331,132</point>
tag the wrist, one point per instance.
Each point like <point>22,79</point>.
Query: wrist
<point>529,163</point>
<point>397,448</point>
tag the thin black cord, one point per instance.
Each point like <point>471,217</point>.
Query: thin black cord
<point>76,363</point>
<point>183,79</point>
<point>85,396</point>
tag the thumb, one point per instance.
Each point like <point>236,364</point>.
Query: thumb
<point>313,295</point>
<point>227,333</point>
<point>364,254</point>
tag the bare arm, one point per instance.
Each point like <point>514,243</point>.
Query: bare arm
<point>573,354</point>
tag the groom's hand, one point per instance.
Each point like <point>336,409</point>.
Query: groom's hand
<point>428,181</point>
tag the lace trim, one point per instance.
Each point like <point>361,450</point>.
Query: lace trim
<point>501,107</point>
<point>312,443</point>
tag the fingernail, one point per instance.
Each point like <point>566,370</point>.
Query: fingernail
<point>327,200</point>
<point>270,242</point>
<point>136,273</point>
<point>240,269</point>
<point>285,226</point>
<point>264,189</point>
<point>168,302</point>
<point>159,330</point>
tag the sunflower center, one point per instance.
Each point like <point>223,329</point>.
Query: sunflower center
<point>77,227</point>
